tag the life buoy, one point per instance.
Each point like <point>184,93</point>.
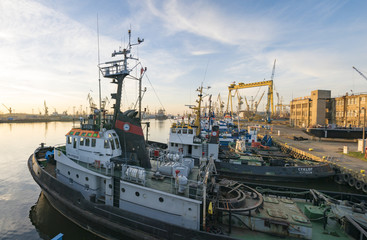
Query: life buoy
<point>338,179</point>
<point>352,181</point>
<point>358,185</point>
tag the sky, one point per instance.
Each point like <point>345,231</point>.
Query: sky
<point>49,50</point>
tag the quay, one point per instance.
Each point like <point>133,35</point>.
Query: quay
<point>349,170</point>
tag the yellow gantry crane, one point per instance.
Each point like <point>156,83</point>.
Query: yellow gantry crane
<point>236,87</point>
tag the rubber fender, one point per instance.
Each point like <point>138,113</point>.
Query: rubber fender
<point>358,185</point>
<point>358,208</point>
<point>346,177</point>
<point>338,178</point>
<point>364,187</point>
<point>352,181</point>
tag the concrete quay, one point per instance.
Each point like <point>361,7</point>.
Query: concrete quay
<point>351,170</point>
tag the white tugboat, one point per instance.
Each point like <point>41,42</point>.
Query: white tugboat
<point>103,180</point>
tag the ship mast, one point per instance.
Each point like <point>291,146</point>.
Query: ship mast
<point>118,70</point>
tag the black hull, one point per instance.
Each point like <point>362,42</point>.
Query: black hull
<point>267,173</point>
<point>106,221</point>
<point>345,133</point>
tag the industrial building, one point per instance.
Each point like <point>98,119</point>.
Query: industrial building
<point>317,109</point>
<point>350,110</point>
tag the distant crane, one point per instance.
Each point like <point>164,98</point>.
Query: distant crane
<point>46,108</point>
<point>360,73</point>
<point>92,105</point>
<point>9,109</point>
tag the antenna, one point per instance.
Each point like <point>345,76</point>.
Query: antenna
<point>99,79</point>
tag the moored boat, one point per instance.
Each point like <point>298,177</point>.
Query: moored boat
<point>103,179</point>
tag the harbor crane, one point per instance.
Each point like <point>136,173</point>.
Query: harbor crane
<point>46,108</point>
<point>360,73</point>
<point>9,109</point>
<point>269,105</point>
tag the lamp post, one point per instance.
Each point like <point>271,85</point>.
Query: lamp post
<point>363,134</point>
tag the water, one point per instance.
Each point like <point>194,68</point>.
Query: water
<point>24,212</point>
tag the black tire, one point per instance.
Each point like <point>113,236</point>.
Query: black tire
<point>352,181</point>
<point>358,185</point>
<point>346,177</point>
<point>364,187</point>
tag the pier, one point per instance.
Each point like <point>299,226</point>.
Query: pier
<point>349,170</point>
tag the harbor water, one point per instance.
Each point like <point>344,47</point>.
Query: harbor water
<point>24,211</point>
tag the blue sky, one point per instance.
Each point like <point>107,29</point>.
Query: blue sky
<point>48,49</point>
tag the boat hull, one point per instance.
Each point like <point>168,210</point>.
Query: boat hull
<point>106,221</point>
<point>345,133</point>
<point>274,173</point>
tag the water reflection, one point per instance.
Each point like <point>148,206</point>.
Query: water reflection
<point>50,222</point>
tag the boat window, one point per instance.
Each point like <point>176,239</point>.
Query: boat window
<point>112,144</point>
<point>74,142</point>
<point>184,131</point>
<point>109,135</point>
<point>87,141</point>
<point>179,131</point>
<point>89,134</point>
<point>81,141</point>
<point>68,139</point>
<point>93,142</point>
<point>117,143</point>
<point>77,133</point>
<point>83,134</point>
<point>106,145</point>
<point>191,131</point>
<point>172,144</point>
<point>114,134</point>
<point>173,130</point>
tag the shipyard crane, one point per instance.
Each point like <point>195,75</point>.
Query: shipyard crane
<point>9,109</point>
<point>257,103</point>
<point>360,73</point>
<point>92,105</point>
<point>46,108</point>
<point>239,99</point>
<point>221,104</point>
<point>269,105</point>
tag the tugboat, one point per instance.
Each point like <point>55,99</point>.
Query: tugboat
<point>103,179</point>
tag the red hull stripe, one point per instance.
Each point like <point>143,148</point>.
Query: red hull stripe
<point>132,128</point>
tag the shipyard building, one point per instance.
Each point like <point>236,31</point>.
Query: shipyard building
<point>313,110</point>
<point>320,109</point>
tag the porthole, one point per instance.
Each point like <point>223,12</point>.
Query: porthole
<point>137,194</point>
<point>110,185</point>
<point>77,176</point>
<point>86,179</point>
<point>122,189</point>
<point>161,199</point>
<point>190,209</point>
<point>68,172</point>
